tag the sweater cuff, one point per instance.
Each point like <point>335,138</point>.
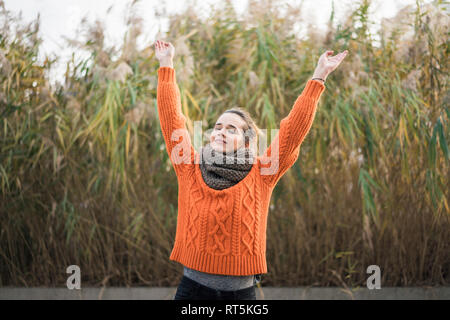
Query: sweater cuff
<point>166,74</point>
<point>314,89</point>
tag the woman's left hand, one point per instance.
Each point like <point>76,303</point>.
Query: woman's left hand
<point>328,64</point>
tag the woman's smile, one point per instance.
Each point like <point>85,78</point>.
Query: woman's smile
<point>220,141</point>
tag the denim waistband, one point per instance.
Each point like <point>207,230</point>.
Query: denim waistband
<point>210,293</point>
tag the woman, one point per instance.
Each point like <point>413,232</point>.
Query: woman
<point>225,189</point>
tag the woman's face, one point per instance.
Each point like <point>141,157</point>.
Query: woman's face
<point>228,133</point>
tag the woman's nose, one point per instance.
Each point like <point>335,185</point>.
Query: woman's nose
<point>221,132</point>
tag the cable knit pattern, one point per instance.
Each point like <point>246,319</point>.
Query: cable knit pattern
<point>219,226</point>
<point>224,231</point>
<point>193,238</point>
<point>248,234</point>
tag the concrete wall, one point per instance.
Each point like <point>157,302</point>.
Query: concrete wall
<point>269,293</point>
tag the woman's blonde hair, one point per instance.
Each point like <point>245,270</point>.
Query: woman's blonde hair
<point>251,130</point>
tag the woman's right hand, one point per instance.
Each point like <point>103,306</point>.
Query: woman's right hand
<point>328,63</point>
<point>165,52</point>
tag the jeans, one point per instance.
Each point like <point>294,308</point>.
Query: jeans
<point>189,289</point>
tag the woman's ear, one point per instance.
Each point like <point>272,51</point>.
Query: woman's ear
<point>248,145</point>
<point>246,142</point>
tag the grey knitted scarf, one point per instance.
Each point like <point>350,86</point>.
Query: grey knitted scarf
<point>222,170</point>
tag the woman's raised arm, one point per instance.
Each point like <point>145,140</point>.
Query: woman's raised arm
<point>173,122</point>
<point>285,146</point>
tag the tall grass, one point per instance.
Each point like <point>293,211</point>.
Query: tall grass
<point>85,179</point>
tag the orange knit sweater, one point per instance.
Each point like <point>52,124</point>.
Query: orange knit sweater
<point>224,231</point>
